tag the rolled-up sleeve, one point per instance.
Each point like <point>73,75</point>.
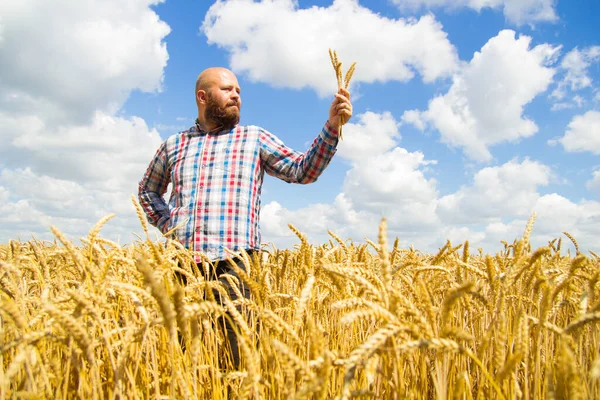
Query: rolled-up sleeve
<point>292,166</point>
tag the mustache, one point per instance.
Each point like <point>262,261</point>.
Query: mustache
<point>234,103</point>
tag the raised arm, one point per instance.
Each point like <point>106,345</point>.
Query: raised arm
<point>291,166</point>
<point>151,189</point>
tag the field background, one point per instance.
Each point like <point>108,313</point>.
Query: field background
<point>336,320</point>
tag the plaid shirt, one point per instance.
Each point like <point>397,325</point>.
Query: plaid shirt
<point>217,179</point>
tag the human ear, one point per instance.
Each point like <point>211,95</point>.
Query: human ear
<point>201,96</point>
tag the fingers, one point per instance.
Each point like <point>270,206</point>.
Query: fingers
<point>342,97</point>
<point>341,107</point>
<point>346,115</point>
<point>344,92</point>
<point>342,101</point>
<point>342,104</point>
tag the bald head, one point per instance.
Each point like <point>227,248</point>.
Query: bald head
<point>212,76</point>
<point>218,98</point>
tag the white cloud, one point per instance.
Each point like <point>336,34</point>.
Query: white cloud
<point>460,234</point>
<point>296,42</point>
<point>562,106</point>
<point>594,183</point>
<point>77,175</point>
<point>170,129</point>
<point>583,134</point>
<point>416,118</point>
<point>522,12</point>
<point>66,159</point>
<point>314,221</point>
<point>67,59</point>
<point>495,207</point>
<point>373,134</point>
<point>384,181</point>
<point>389,181</point>
<point>31,203</point>
<point>556,212</point>
<point>575,65</point>
<point>486,102</point>
<point>384,177</point>
<point>110,151</point>
<point>518,12</point>
<point>393,183</point>
<point>508,190</point>
<point>578,100</point>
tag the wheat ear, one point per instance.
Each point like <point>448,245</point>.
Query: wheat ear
<point>96,229</point>
<point>567,234</point>
<point>349,74</point>
<point>140,213</point>
<point>342,82</point>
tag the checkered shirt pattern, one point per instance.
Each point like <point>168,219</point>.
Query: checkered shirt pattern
<point>216,184</point>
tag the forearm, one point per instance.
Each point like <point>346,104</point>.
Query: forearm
<point>319,155</point>
<point>151,189</point>
<point>155,208</point>
<point>303,168</point>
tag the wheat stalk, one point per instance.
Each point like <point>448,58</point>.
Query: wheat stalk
<point>327,322</point>
<point>342,81</point>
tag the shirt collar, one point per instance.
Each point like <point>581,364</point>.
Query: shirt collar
<point>214,131</point>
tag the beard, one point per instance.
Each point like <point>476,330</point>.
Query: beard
<point>224,116</point>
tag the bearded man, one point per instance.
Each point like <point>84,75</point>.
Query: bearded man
<point>216,169</point>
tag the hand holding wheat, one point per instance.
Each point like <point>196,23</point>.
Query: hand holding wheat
<point>342,84</point>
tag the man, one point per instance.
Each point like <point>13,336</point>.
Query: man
<point>216,169</point>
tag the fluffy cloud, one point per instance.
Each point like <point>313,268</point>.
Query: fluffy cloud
<point>31,203</point>
<point>575,67</point>
<point>554,214</point>
<point>109,151</point>
<point>393,183</point>
<point>384,177</point>
<point>518,12</point>
<point>388,181</point>
<point>77,175</point>
<point>66,158</point>
<point>68,59</point>
<point>372,135</point>
<point>296,41</point>
<point>384,181</point>
<point>314,220</point>
<point>495,207</point>
<point>486,101</point>
<point>583,134</point>
<point>508,190</point>
<point>594,183</point>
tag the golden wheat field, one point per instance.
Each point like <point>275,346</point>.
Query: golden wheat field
<point>338,320</point>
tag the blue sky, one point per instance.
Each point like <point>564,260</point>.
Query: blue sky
<point>469,115</point>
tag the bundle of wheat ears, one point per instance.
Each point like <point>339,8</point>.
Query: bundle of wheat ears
<point>337,66</point>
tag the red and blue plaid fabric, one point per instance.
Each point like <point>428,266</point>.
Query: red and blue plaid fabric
<point>216,184</point>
